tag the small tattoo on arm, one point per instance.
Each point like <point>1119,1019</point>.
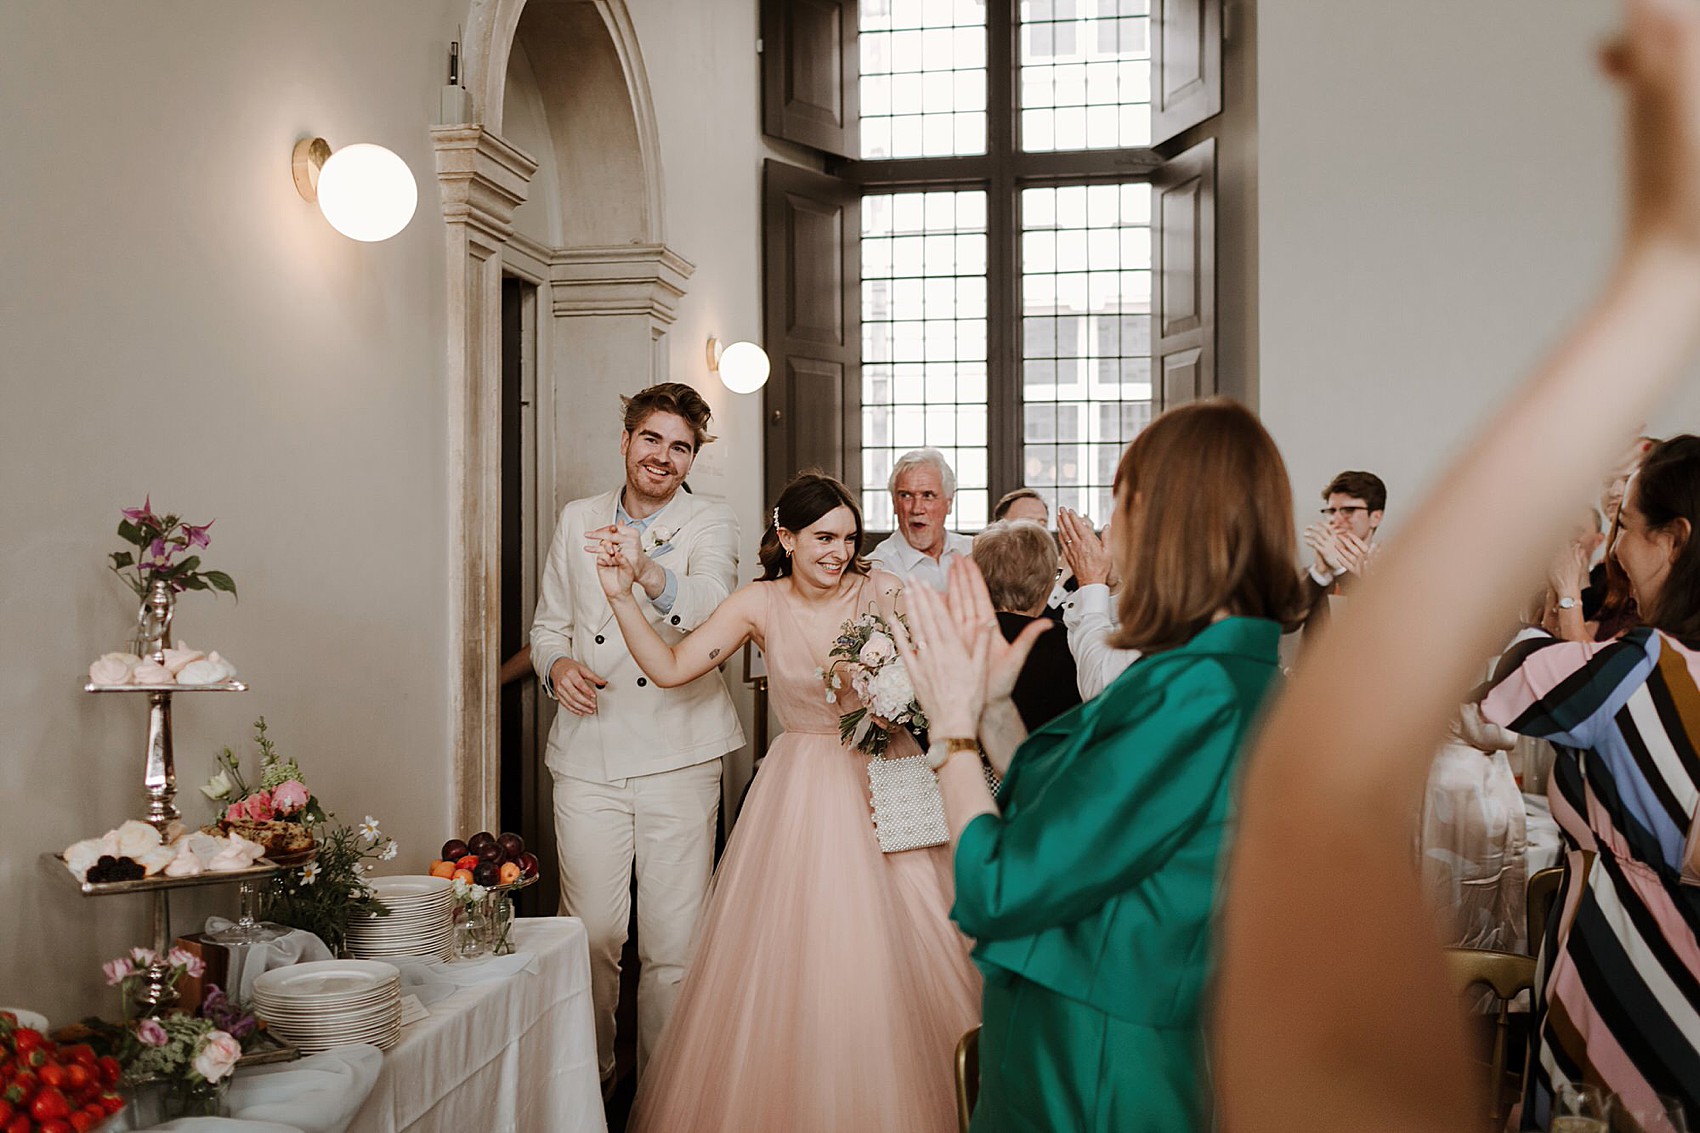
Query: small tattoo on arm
<point>713,653</point>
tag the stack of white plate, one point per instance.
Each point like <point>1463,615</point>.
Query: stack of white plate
<point>331,1003</point>
<point>421,920</point>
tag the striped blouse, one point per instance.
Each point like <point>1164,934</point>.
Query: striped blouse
<point>1619,982</point>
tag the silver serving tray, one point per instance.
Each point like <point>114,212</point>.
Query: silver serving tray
<point>263,868</point>
<point>221,686</point>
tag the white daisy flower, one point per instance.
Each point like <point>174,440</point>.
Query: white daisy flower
<point>309,873</point>
<point>369,830</point>
<point>389,851</point>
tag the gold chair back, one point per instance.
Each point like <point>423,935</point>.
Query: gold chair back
<point>967,1077</point>
<point>1540,894</point>
<point>1506,974</point>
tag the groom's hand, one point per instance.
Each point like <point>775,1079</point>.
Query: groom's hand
<point>628,541</point>
<point>575,686</point>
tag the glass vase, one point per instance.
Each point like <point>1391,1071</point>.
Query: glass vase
<point>195,1097</point>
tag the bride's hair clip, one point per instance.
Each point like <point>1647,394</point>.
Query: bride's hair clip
<point>775,518</point>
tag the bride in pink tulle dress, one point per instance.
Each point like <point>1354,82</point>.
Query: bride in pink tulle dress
<point>828,988</point>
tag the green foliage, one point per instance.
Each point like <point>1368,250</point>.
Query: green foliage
<point>322,895</point>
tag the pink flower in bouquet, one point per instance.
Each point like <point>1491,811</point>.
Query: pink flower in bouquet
<point>117,971</point>
<point>289,796</point>
<point>216,1056</point>
<point>260,807</point>
<point>150,1033</point>
<point>236,811</point>
<point>144,956</point>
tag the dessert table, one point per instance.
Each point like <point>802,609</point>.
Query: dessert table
<point>513,1054</point>
<point>509,1046</point>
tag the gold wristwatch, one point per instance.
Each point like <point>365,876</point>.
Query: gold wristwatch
<point>940,750</point>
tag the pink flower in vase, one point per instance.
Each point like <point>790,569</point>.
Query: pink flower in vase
<point>289,796</point>
<point>117,971</point>
<point>260,807</point>
<point>150,1033</point>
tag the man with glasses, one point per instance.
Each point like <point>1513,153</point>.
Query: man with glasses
<point>1343,541</point>
<point>923,488</point>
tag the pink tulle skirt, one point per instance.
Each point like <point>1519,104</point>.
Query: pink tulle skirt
<point>828,988</point>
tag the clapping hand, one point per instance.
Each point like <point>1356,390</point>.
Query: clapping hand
<point>1084,552</point>
<point>1319,538</point>
<point>956,656</point>
<point>1567,574</point>
<point>1357,556</point>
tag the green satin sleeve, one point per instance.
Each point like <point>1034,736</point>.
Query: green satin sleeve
<point>1089,818</point>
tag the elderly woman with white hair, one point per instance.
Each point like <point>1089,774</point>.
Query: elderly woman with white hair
<point>923,489</point>
<point>1019,561</point>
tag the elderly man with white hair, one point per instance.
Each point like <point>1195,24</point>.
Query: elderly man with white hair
<point>923,488</point>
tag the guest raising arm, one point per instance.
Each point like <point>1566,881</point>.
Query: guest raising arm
<point>1089,615</point>
<point>1335,1013</point>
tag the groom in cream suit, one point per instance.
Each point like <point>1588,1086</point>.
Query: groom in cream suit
<point>636,767</point>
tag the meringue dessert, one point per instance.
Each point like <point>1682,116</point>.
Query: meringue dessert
<point>181,665</point>
<point>185,855</point>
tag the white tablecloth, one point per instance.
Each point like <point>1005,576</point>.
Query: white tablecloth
<point>510,1049</point>
<point>515,1054</point>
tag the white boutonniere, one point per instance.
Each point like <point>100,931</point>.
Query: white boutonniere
<point>658,538</point>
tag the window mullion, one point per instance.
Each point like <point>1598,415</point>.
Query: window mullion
<point>1003,265</point>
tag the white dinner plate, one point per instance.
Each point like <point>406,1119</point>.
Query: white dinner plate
<point>322,979</point>
<point>403,887</point>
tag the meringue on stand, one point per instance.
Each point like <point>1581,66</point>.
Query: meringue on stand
<point>181,665</point>
<point>183,855</point>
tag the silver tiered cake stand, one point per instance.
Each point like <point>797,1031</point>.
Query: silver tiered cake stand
<point>156,990</point>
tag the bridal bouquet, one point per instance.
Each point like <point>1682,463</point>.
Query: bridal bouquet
<point>866,655</point>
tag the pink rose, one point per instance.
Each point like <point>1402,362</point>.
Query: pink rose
<point>216,1056</point>
<point>236,811</point>
<point>151,1033</point>
<point>188,961</point>
<point>117,971</point>
<point>260,807</point>
<point>289,796</point>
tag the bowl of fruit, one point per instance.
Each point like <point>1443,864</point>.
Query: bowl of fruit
<point>499,862</point>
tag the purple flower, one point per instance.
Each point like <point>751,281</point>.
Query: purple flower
<point>143,514</point>
<point>150,1033</point>
<point>198,535</point>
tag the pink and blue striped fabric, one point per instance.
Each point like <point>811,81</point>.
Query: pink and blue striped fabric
<point>1618,990</point>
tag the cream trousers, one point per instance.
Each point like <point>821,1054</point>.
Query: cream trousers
<point>663,824</point>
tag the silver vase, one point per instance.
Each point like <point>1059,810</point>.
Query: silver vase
<point>153,621</point>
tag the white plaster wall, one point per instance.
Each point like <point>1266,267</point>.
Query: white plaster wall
<point>177,321</point>
<point>1438,194</point>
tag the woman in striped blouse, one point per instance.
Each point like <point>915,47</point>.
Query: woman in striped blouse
<point>1621,966</point>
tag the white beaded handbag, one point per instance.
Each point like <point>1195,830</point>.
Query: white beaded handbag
<point>908,809</point>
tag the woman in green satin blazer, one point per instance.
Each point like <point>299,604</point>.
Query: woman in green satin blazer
<point>1090,884</point>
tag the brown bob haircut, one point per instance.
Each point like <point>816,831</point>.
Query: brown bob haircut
<point>1204,522</point>
<point>676,398</point>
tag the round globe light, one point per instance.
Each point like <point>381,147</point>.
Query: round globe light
<point>743,367</point>
<point>367,192</point>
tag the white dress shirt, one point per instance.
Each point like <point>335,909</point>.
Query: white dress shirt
<point>897,556</point>
<point>1089,620</point>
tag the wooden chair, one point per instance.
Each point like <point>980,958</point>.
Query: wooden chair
<point>1539,896</point>
<point>967,1077</point>
<point>1507,975</point>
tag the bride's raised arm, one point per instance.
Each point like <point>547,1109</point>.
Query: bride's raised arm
<point>704,648</point>
<point>1333,1010</point>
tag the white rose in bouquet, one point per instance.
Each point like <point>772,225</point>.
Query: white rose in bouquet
<point>216,1056</point>
<point>891,692</point>
<point>877,651</point>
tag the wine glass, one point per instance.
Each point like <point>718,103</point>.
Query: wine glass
<point>247,930</point>
<point>1581,1108</point>
<point>1667,1116</point>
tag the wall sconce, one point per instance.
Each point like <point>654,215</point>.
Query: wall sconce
<point>365,191</point>
<point>742,366</point>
